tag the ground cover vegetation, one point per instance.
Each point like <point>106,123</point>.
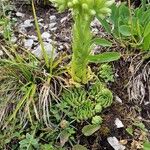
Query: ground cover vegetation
<point>65,101</point>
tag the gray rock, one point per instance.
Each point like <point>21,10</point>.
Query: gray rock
<point>53,29</point>
<point>21,28</point>
<point>52,25</point>
<point>33,37</point>
<point>48,48</point>
<point>52,18</point>
<point>45,35</point>
<point>118,99</point>
<point>19,14</point>
<point>95,23</point>
<point>28,23</point>
<point>113,141</point>
<point>13,39</point>
<point>119,123</point>
<point>63,19</point>
<point>28,43</point>
<point>1,53</point>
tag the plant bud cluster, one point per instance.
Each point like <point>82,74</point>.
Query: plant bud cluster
<point>88,7</point>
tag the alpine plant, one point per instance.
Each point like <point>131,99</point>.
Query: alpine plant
<point>83,12</point>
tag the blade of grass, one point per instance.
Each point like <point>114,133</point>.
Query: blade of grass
<point>39,36</point>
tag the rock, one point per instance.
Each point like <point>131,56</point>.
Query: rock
<point>118,99</point>
<point>52,18</point>
<point>13,39</point>
<point>28,23</point>
<point>63,19</point>
<point>45,35</point>
<point>53,29</point>
<point>1,53</point>
<point>41,20</point>
<point>33,37</point>
<point>19,14</point>
<point>48,48</point>
<point>119,123</point>
<point>95,23</point>
<point>113,141</point>
<point>28,43</point>
<point>95,31</point>
<point>52,25</point>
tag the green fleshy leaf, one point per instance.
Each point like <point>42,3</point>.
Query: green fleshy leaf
<point>90,129</point>
<point>146,146</point>
<point>101,42</point>
<point>125,30</point>
<point>104,57</point>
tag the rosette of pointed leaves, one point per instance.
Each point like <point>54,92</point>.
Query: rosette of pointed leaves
<point>76,105</point>
<point>102,95</point>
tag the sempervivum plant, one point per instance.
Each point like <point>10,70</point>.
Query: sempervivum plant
<point>83,12</point>
<point>79,104</point>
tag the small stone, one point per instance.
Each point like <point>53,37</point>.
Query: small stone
<point>45,35</point>
<point>28,43</point>
<point>13,39</point>
<point>95,23</point>
<point>113,141</point>
<point>52,18</point>
<point>61,47</point>
<point>119,123</point>
<point>63,19</point>
<point>33,37</point>
<point>53,29</point>
<point>41,25</point>
<point>19,14</point>
<point>118,99</point>
<point>21,28</point>
<point>1,53</point>
<point>28,23</point>
<point>40,20</point>
<point>51,25</point>
<point>95,31</point>
<point>48,48</point>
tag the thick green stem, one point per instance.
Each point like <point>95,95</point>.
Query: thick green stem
<point>81,49</point>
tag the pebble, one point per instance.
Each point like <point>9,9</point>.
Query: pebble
<point>33,37</point>
<point>52,18</point>
<point>113,141</point>
<point>19,14</point>
<point>119,123</point>
<point>13,39</point>
<point>118,99</point>
<point>48,48</point>
<point>28,43</point>
<point>63,19</point>
<point>53,29</point>
<point>51,25</point>
<point>1,53</point>
<point>95,23</point>
<point>45,35</point>
<point>28,23</point>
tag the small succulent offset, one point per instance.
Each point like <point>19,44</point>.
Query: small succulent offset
<point>102,95</point>
<point>106,73</point>
<point>79,104</point>
<point>83,12</point>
